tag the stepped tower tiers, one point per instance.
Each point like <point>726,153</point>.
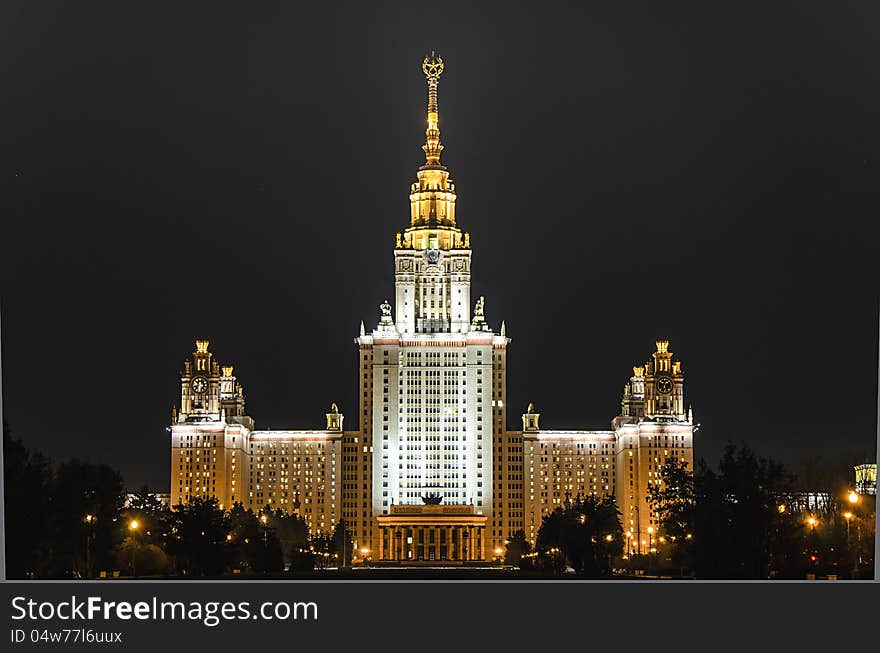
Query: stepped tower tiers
<point>432,256</point>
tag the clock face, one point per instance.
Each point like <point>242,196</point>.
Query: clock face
<point>433,255</point>
<point>664,385</point>
<point>199,385</point>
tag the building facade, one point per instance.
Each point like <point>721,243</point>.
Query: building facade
<point>429,471</point>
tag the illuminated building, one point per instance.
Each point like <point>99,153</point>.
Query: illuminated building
<point>866,478</point>
<point>429,471</point>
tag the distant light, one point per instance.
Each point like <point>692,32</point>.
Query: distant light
<point>853,497</point>
<point>133,525</point>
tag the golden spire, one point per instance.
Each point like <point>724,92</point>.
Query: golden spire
<point>432,196</point>
<point>432,67</point>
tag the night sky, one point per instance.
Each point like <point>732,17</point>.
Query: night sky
<point>237,172</point>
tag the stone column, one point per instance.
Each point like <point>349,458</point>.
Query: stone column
<point>404,547</point>
<point>482,534</point>
<point>381,542</point>
<point>436,530</point>
<point>390,530</point>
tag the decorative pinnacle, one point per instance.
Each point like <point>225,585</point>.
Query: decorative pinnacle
<point>432,67</point>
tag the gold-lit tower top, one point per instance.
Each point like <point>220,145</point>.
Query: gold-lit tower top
<point>432,196</point>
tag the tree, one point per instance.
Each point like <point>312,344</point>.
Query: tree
<point>733,523</point>
<point>27,476</point>
<point>320,546</point>
<point>293,534</point>
<point>143,559</point>
<point>517,547</point>
<point>153,517</point>
<point>341,544</point>
<point>77,490</point>
<point>199,541</point>
<point>674,503</point>
<point>585,534</point>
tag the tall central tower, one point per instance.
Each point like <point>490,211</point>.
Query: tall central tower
<point>432,373</point>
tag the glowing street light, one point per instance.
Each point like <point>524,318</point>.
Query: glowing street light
<point>812,521</point>
<point>848,516</point>
<point>133,525</point>
<point>90,520</point>
<point>781,508</point>
<point>853,497</point>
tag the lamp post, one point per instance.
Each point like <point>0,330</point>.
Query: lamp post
<point>133,526</point>
<point>90,535</point>
<point>264,520</point>
<point>854,498</point>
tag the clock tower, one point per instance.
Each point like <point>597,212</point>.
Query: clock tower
<point>664,385</point>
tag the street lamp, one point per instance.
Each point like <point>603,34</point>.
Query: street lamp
<point>812,521</point>
<point>90,535</point>
<point>133,526</point>
<point>650,539</point>
<point>853,497</point>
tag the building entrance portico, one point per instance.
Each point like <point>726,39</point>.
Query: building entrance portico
<point>432,533</point>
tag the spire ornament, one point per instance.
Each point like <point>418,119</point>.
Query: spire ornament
<point>432,67</point>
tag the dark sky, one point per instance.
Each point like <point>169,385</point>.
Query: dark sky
<point>237,172</point>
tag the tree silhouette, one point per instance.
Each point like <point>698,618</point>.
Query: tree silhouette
<point>199,542</point>
<point>584,534</point>
<point>341,544</point>
<point>517,547</point>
